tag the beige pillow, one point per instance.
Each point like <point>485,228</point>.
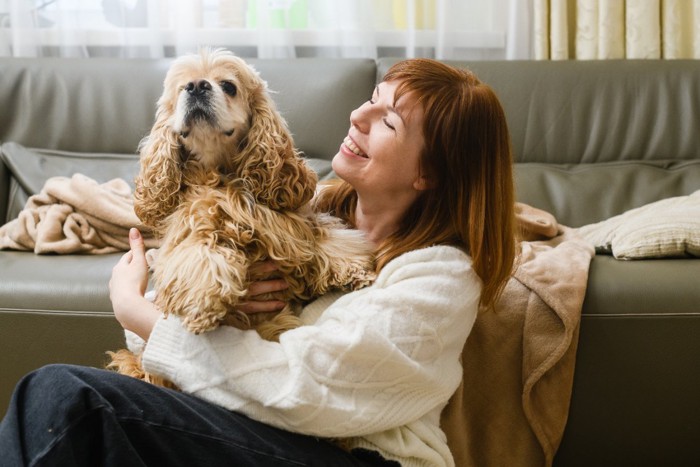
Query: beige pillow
<point>665,228</point>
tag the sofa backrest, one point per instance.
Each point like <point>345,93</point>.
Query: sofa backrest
<point>316,97</point>
<point>593,139</point>
<point>582,112</point>
<point>83,105</point>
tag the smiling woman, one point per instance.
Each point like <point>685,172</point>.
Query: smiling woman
<point>466,29</point>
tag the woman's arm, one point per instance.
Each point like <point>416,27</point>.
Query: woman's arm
<point>377,358</point>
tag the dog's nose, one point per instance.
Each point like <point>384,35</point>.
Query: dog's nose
<point>198,88</point>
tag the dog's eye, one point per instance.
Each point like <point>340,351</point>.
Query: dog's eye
<point>229,88</point>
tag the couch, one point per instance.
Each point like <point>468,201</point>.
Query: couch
<point>591,140</point>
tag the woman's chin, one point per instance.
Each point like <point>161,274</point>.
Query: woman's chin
<point>339,164</point>
<point>347,165</point>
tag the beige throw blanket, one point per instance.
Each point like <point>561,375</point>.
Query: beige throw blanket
<point>75,215</point>
<point>518,362</point>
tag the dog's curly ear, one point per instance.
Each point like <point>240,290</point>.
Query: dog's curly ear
<point>279,176</point>
<point>158,182</point>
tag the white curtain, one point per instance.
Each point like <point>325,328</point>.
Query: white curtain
<point>445,29</point>
<point>614,29</point>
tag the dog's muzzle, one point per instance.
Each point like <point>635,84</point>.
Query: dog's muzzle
<point>198,103</point>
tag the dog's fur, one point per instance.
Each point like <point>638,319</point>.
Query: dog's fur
<point>221,181</point>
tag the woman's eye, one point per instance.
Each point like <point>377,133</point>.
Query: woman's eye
<point>388,124</point>
<point>229,88</point>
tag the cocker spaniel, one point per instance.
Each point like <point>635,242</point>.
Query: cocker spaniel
<point>223,185</point>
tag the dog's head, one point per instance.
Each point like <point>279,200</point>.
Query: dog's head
<point>208,101</point>
<point>215,117</point>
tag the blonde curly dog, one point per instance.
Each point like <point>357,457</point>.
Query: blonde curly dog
<point>222,184</point>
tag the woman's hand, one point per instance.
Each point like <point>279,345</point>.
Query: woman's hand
<point>127,288</point>
<point>253,301</point>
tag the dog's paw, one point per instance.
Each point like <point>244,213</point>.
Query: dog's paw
<point>272,328</point>
<point>362,278</point>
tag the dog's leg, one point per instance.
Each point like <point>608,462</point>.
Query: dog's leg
<point>202,269</point>
<point>127,363</point>
<point>349,255</point>
<point>315,253</point>
<point>200,282</point>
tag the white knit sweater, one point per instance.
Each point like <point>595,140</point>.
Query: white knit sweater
<point>377,365</point>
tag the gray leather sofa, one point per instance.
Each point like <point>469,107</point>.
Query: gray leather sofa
<point>591,140</point>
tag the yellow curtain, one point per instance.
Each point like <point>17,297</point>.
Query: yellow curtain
<point>608,29</point>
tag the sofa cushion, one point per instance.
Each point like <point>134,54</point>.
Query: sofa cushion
<point>64,283</point>
<point>669,227</point>
<point>581,194</point>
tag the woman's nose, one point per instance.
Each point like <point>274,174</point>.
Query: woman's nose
<point>358,119</point>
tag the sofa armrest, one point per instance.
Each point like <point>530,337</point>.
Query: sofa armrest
<point>4,191</point>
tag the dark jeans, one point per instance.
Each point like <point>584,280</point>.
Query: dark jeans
<point>63,415</point>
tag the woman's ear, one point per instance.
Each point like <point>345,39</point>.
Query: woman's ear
<point>423,183</point>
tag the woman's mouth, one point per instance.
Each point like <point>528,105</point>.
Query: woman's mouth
<point>352,147</point>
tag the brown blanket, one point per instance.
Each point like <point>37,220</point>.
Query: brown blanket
<point>518,362</point>
<point>75,215</point>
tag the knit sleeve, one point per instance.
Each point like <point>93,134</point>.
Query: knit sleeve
<point>376,359</point>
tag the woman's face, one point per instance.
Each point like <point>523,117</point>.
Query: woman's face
<point>380,157</point>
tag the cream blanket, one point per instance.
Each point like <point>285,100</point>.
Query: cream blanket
<point>518,362</point>
<point>75,215</point>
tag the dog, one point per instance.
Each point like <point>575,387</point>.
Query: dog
<point>223,186</point>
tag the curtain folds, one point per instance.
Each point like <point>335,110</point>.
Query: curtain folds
<point>444,29</point>
<point>616,29</point>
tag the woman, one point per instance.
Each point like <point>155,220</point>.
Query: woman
<point>425,172</point>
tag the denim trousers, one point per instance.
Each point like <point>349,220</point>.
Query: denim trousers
<point>65,415</point>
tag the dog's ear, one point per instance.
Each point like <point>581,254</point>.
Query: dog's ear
<point>279,177</point>
<point>160,176</point>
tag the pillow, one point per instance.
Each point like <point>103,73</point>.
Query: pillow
<point>665,228</point>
